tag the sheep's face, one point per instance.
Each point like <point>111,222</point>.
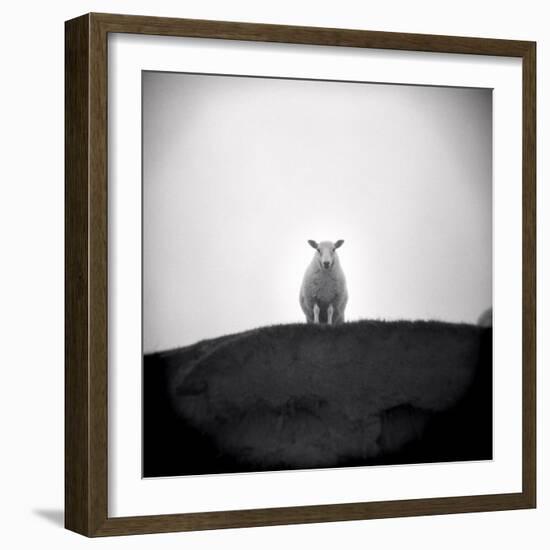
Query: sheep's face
<point>326,252</point>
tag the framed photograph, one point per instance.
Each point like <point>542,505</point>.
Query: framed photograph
<point>300,274</point>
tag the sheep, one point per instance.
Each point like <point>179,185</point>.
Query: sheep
<point>486,318</point>
<point>323,294</point>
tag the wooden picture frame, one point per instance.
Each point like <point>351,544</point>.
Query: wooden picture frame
<point>86,414</point>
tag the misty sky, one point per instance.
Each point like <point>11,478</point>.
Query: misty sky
<point>240,172</point>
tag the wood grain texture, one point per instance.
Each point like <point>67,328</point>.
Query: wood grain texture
<point>309,35</point>
<point>529,274</point>
<point>86,356</point>
<point>98,250</point>
<point>77,459</point>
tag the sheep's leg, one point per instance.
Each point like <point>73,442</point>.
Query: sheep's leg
<point>316,314</point>
<point>330,312</point>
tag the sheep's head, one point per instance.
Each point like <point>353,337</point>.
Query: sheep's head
<point>326,252</point>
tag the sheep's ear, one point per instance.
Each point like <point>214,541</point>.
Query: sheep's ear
<point>313,244</point>
<point>338,244</point>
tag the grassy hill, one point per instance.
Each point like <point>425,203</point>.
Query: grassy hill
<point>310,396</point>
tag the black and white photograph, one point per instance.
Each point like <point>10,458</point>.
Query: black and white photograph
<point>317,274</point>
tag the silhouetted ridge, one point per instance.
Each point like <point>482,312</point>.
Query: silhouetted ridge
<point>309,396</point>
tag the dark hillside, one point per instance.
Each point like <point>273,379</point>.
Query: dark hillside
<point>310,396</point>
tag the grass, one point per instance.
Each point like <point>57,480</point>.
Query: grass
<point>308,396</point>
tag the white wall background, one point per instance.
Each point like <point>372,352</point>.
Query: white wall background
<point>239,172</point>
<point>31,293</point>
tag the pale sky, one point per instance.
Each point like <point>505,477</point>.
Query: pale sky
<point>240,172</point>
